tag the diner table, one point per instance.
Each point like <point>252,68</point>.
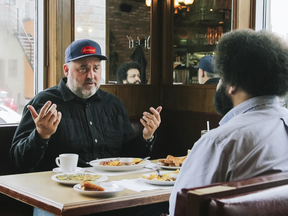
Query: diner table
<point>39,190</point>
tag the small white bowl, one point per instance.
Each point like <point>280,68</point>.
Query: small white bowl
<point>126,161</point>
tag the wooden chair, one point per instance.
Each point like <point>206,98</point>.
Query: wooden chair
<point>263,195</point>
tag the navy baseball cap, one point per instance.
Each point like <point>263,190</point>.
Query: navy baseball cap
<point>83,48</point>
<point>206,64</point>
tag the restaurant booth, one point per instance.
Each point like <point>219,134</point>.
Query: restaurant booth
<point>173,38</point>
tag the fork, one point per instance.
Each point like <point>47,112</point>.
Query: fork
<point>158,173</point>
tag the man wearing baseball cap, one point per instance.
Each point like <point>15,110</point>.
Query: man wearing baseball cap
<point>76,116</point>
<point>206,74</point>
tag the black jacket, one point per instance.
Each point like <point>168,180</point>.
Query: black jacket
<point>97,127</point>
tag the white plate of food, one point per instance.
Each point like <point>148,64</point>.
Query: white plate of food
<point>109,190</point>
<point>171,167</point>
<point>171,162</point>
<point>114,164</point>
<point>75,178</point>
<point>167,178</point>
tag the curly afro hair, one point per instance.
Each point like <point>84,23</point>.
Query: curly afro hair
<point>122,70</point>
<point>256,61</point>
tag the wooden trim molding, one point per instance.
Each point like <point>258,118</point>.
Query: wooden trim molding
<point>235,14</point>
<point>72,20</point>
<point>59,22</point>
<point>252,14</point>
<point>167,32</point>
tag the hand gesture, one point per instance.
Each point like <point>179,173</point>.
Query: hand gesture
<point>151,122</point>
<point>47,120</point>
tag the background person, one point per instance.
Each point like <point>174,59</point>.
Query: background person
<point>253,133</point>
<point>78,117</point>
<point>129,73</point>
<point>206,73</point>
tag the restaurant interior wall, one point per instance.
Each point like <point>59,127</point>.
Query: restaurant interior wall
<point>186,108</point>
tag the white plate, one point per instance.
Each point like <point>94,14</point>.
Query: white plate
<point>157,182</point>
<point>170,167</point>
<point>58,170</point>
<point>102,178</point>
<point>96,165</point>
<point>110,189</point>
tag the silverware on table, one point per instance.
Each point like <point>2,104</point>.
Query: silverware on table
<point>158,173</point>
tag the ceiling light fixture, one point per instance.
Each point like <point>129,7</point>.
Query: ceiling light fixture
<point>180,4</point>
<point>148,3</point>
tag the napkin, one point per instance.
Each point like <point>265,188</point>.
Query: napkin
<point>138,185</point>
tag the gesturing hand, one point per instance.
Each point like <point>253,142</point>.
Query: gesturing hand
<point>47,120</point>
<point>151,122</point>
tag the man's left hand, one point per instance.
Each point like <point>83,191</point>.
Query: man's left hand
<point>151,122</point>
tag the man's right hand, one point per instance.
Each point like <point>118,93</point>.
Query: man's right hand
<point>47,120</point>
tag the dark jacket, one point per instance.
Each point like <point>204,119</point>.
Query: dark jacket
<point>93,128</point>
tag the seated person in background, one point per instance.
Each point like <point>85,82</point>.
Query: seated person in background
<point>78,117</point>
<point>206,74</point>
<point>129,73</point>
<point>252,138</point>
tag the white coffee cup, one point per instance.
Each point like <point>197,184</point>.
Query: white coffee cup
<point>67,162</point>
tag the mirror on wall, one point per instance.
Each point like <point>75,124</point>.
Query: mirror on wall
<point>122,28</point>
<point>197,29</point>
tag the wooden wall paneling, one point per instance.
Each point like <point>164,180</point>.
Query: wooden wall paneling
<point>208,100</point>
<point>136,98</point>
<point>156,42</point>
<point>60,36</point>
<point>252,14</point>
<point>46,45</point>
<point>63,35</point>
<point>179,131</point>
<point>235,14</point>
<point>51,43</point>
<point>167,32</point>
<point>107,35</point>
<point>194,98</point>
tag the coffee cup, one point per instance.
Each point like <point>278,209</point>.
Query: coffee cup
<point>67,162</point>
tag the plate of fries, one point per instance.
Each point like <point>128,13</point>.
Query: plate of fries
<point>166,178</point>
<point>114,164</point>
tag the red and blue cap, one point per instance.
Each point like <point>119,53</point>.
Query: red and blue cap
<point>206,64</point>
<point>83,48</point>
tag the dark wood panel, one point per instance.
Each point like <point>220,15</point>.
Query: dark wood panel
<point>179,130</point>
<point>197,98</point>
<point>136,98</point>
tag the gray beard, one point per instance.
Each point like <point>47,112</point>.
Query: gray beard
<point>78,92</point>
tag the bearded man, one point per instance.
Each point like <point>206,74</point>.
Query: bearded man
<point>78,117</point>
<point>252,138</point>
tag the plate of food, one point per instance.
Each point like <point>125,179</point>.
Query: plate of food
<point>119,164</point>
<point>165,178</point>
<point>76,178</point>
<point>100,190</point>
<point>171,162</point>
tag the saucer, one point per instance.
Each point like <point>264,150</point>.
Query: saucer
<point>58,170</point>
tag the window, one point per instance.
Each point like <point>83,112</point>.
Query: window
<point>272,15</point>
<point>17,59</point>
<point>277,16</point>
<point>12,68</point>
